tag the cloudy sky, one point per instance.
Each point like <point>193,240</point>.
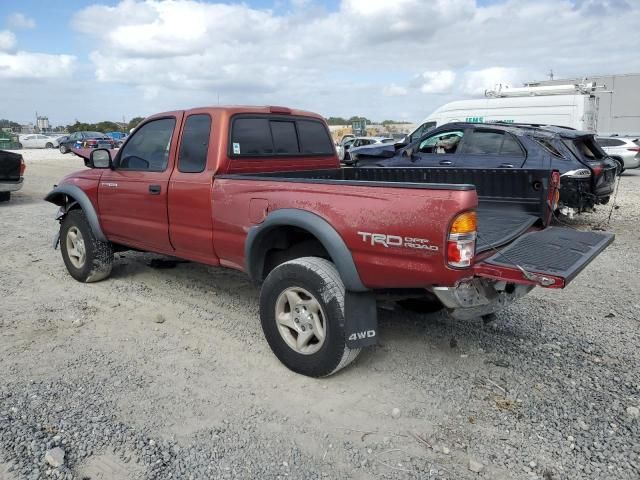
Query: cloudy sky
<point>399,59</point>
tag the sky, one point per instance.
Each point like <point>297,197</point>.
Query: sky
<point>383,59</point>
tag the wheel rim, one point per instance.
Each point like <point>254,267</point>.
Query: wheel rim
<point>75,247</point>
<point>300,320</point>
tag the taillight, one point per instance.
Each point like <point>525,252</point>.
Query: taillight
<point>634,149</point>
<point>23,166</point>
<point>461,242</point>
<point>597,169</point>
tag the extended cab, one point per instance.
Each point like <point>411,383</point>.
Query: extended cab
<point>259,189</point>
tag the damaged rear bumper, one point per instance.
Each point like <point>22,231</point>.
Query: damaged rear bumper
<point>477,297</point>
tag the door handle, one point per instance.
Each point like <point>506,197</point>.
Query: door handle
<point>506,165</point>
<point>446,163</point>
<point>154,189</point>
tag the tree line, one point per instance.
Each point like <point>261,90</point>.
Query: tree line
<point>355,118</point>
<point>104,126</point>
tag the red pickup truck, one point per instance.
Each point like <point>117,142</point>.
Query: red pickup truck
<point>260,189</point>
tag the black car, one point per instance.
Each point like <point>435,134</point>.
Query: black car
<point>588,174</point>
<point>86,140</point>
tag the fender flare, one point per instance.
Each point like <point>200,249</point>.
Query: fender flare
<point>58,196</point>
<point>315,225</point>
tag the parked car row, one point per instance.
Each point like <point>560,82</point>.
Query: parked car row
<point>626,151</point>
<point>86,140</point>
<point>37,140</point>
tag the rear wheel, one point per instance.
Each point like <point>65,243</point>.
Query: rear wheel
<point>302,316</point>
<point>49,145</point>
<point>87,259</point>
<point>19,146</point>
<point>5,196</point>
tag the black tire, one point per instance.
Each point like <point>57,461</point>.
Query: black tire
<point>620,163</point>
<point>320,278</point>
<point>98,258</point>
<point>63,149</point>
<point>18,146</point>
<point>49,145</point>
<point>421,305</point>
<point>5,196</point>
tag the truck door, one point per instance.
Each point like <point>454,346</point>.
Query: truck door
<point>190,215</point>
<point>486,148</point>
<point>132,197</point>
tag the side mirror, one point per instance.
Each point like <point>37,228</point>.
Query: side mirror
<point>100,158</point>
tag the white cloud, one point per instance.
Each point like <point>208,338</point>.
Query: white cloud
<point>368,57</point>
<point>25,65</point>
<point>7,40</point>
<point>437,82</point>
<point>20,20</point>
<point>477,81</point>
<point>394,90</point>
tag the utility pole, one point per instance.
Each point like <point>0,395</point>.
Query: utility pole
<point>550,74</point>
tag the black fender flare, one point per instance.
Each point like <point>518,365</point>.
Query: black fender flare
<point>315,225</point>
<point>59,195</point>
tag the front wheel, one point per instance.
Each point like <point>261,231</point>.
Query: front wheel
<point>302,316</point>
<point>64,149</point>
<point>87,259</point>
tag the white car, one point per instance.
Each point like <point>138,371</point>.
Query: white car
<point>343,153</point>
<point>624,150</point>
<point>37,140</point>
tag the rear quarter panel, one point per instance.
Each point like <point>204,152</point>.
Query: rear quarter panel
<point>352,210</point>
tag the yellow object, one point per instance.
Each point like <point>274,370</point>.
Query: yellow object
<point>466,222</point>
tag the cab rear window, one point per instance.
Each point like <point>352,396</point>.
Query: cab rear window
<point>271,136</point>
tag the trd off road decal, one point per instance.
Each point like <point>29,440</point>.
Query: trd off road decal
<point>397,241</point>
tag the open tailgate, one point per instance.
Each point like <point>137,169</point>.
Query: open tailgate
<point>551,257</point>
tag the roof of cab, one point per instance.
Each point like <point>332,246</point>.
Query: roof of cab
<point>235,109</point>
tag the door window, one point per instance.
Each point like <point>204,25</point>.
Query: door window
<point>442,143</point>
<point>148,147</point>
<point>314,139</point>
<point>194,144</point>
<point>483,142</point>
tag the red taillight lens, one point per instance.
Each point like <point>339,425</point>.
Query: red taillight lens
<point>597,169</point>
<point>634,149</point>
<point>461,243</point>
<point>23,167</point>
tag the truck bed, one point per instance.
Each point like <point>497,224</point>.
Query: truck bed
<point>510,200</point>
<point>9,166</point>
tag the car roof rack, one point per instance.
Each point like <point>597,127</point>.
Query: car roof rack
<point>522,124</point>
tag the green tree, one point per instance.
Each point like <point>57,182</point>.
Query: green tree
<point>337,121</point>
<point>134,122</point>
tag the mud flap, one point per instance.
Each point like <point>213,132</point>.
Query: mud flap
<point>361,319</point>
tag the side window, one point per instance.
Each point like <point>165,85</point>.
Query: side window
<point>148,148</point>
<point>483,142</point>
<point>251,136</point>
<point>76,136</point>
<point>194,144</point>
<point>511,147</point>
<point>443,142</point>
<point>285,139</point>
<point>314,138</point>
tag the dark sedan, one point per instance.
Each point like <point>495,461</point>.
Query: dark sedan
<point>86,140</point>
<point>588,175</point>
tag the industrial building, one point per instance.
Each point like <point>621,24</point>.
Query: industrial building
<point>618,98</point>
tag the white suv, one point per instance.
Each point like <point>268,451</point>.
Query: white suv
<point>624,150</point>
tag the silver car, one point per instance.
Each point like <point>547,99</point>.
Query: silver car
<point>624,150</point>
<point>343,153</point>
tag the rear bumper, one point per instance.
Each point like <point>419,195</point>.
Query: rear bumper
<point>578,193</point>
<point>479,297</point>
<point>6,186</point>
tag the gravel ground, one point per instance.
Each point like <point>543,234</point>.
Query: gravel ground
<point>163,373</point>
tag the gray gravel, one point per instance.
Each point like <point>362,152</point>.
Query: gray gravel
<point>163,373</point>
